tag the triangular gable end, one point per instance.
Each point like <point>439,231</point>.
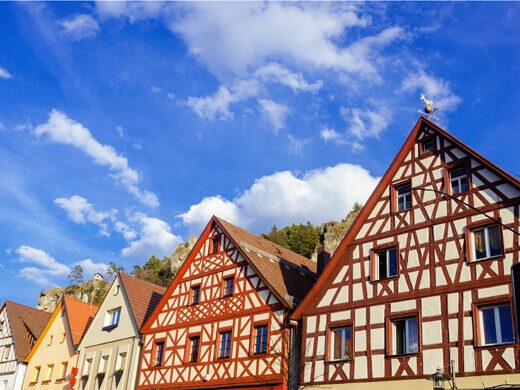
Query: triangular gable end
<point>422,133</point>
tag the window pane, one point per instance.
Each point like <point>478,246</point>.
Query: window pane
<point>488,321</point>
<point>399,329</point>
<point>495,245</point>
<point>480,245</point>
<point>413,337</point>
<point>506,324</point>
<point>382,264</point>
<point>392,262</point>
<point>337,344</point>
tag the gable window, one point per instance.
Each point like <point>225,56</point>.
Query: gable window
<point>384,263</point>
<point>229,284</point>
<point>261,332</point>
<point>405,336</point>
<point>487,242</point>
<point>403,197</point>
<point>194,349</point>
<point>62,338</point>
<point>6,353</point>
<point>496,324</point>
<point>458,180</point>
<point>62,373</point>
<point>427,146</point>
<point>195,295</point>
<point>48,373</point>
<point>158,353</point>
<point>112,318</point>
<point>50,340</point>
<point>341,343</point>
<point>215,244</point>
<point>224,350</point>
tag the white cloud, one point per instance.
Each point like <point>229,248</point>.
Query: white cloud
<point>47,269</point>
<point>126,231</point>
<point>331,135</point>
<point>4,74</point>
<point>217,106</point>
<point>120,131</point>
<point>79,210</point>
<point>366,123</point>
<point>133,10</point>
<point>61,129</point>
<point>90,268</point>
<point>154,238</point>
<point>296,145</point>
<point>274,113</point>
<point>80,27</point>
<point>283,198</point>
<point>155,89</point>
<point>435,89</point>
<point>274,72</point>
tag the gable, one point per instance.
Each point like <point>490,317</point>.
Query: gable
<point>208,268</point>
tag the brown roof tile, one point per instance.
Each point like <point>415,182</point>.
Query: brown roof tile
<point>25,320</point>
<point>143,297</point>
<point>289,274</point>
<point>80,315</point>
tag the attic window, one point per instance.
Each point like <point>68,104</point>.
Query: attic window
<point>215,245</point>
<point>427,146</point>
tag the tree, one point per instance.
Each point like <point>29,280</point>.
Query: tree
<point>113,270</point>
<point>155,271</point>
<point>76,275</point>
<point>301,239</point>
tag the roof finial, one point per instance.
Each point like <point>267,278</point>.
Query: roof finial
<point>429,109</point>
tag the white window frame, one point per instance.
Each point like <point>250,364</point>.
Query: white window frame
<point>407,335</point>
<point>497,324</point>
<point>113,317</point>
<point>341,331</point>
<point>487,247</point>
<point>403,199</point>
<point>461,181</point>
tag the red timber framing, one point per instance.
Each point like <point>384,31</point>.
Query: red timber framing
<point>423,276</point>
<point>231,297</point>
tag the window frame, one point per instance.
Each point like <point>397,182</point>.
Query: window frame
<point>158,346</point>
<point>195,297</point>
<point>331,342</point>
<point>391,335</point>
<point>62,373</point>
<point>49,368</point>
<point>396,196</point>
<point>6,352</point>
<point>425,140</point>
<point>193,349</point>
<point>226,287</point>
<point>479,326</point>
<point>261,343</point>
<point>221,352</point>
<point>215,244</point>
<point>375,274</point>
<point>448,182</point>
<point>36,374</point>
<point>112,318</point>
<point>471,254</point>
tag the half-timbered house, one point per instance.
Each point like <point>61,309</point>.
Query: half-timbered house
<point>224,320</point>
<point>20,327</point>
<point>421,281</point>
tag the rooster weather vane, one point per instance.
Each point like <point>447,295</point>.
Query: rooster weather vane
<point>429,109</point>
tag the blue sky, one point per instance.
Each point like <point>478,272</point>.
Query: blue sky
<point>125,126</point>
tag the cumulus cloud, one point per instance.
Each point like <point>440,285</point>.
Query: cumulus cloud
<point>64,130</point>
<point>284,198</point>
<point>90,268</point>
<point>154,237</point>
<point>331,135</point>
<point>80,27</point>
<point>274,113</point>
<point>133,10</point>
<point>276,73</point>
<point>126,231</point>
<point>4,74</point>
<point>217,106</point>
<point>434,88</point>
<point>79,210</point>
<point>47,270</point>
<point>366,123</point>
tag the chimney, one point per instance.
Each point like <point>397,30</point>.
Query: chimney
<point>323,259</point>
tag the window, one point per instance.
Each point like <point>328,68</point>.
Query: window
<point>48,373</point>
<point>427,146</point>
<point>194,349</point>
<point>36,374</point>
<point>341,343</point>
<point>6,353</point>
<point>195,295</point>
<point>260,345</point>
<point>403,197</point>
<point>120,361</point>
<point>405,338</point>
<point>215,244</point>
<point>487,242</point>
<point>62,338</point>
<point>62,373</point>
<point>103,364</point>
<point>385,263</point>
<point>458,180</point>
<point>159,353</point>
<point>112,318</point>
<point>50,340</point>
<point>224,344</point>
<point>496,324</point>
<point>229,283</point>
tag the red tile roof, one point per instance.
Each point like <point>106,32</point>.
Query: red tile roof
<point>79,315</point>
<point>25,320</point>
<point>143,297</point>
<point>289,274</point>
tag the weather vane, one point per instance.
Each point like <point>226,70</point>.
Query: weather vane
<point>429,109</point>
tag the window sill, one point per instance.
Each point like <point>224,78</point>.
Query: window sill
<point>109,328</point>
<point>495,346</point>
<point>401,355</point>
<point>476,261</point>
<point>385,279</point>
<point>332,361</point>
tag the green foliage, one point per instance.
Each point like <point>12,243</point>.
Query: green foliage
<point>112,271</point>
<point>155,271</point>
<point>301,239</point>
<point>76,275</point>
